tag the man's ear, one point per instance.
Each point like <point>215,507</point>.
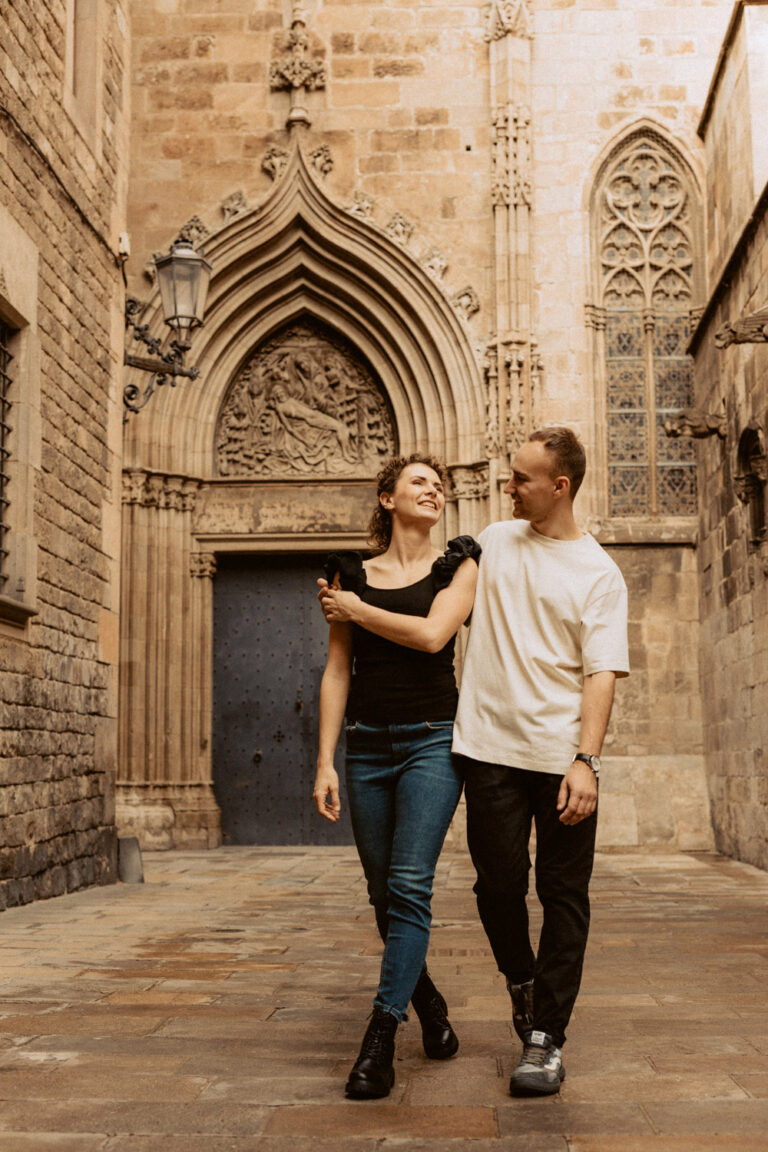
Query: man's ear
<point>562,486</point>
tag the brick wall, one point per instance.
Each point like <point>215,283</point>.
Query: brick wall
<point>61,185</point>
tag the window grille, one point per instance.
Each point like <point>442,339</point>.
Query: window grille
<point>646,249</point>
<point>5,408</point>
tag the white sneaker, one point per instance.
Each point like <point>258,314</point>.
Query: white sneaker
<point>540,1071</point>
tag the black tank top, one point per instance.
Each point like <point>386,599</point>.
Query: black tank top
<point>392,684</point>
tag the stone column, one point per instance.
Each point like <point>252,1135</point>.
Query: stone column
<point>164,788</point>
<point>513,363</point>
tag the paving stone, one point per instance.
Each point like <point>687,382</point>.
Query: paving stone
<point>369,1118</point>
<point>175,1021</point>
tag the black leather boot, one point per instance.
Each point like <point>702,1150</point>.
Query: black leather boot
<point>439,1039</point>
<point>372,1075</point>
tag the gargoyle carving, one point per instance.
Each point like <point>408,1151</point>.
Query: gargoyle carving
<point>696,423</point>
<point>750,330</point>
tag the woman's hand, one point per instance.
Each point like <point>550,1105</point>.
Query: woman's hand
<point>338,606</point>
<point>326,793</point>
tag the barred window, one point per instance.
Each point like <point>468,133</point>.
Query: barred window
<point>646,235</point>
<point>5,428</point>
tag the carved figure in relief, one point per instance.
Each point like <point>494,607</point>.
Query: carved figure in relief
<point>302,404</point>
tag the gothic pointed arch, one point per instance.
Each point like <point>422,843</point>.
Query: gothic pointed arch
<point>300,257</point>
<point>647,270</point>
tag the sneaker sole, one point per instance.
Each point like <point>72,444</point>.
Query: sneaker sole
<point>523,1087</point>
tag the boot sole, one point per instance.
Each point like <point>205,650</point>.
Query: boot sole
<point>365,1092</point>
<point>443,1052</point>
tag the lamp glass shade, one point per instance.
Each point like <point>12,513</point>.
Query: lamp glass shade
<point>183,276</point>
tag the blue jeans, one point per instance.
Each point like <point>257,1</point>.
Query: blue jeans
<point>403,786</point>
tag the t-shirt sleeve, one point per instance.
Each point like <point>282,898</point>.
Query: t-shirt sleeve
<point>604,644</point>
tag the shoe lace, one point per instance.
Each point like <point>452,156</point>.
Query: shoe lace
<point>534,1054</point>
<point>376,1042</point>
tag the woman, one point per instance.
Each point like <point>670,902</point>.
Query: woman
<point>393,622</point>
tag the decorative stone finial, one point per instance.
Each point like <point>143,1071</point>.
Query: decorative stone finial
<point>298,67</point>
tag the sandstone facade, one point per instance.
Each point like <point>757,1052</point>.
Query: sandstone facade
<point>731,348</point>
<point>62,201</point>
<point>431,182</point>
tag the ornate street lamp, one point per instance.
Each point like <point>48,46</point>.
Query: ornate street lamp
<point>183,276</point>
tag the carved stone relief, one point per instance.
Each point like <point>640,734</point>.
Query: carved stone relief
<point>509,18</point>
<point>466,302</point>
<point>399,228</point>
<point>322,160</point>
<point>274,162</point>
<point>234,204</point>
<point>202,564</point>
<point>362,206</point>
<point>511,156</point>
<point>435,263</point>
<point>154,490</point>
<point>193,232</point>
<point>298,63</point>
<point>303,404</point>
<point>469,482</point>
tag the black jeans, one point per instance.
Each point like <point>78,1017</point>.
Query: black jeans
<point>501,803</point>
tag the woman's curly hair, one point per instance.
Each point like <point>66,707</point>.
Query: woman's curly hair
<point>380,527</point>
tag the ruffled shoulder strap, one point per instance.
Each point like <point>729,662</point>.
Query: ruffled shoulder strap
<point>349,566</point>
<point>458,550</point>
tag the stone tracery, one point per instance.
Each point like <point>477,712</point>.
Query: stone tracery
<point>645,212</point>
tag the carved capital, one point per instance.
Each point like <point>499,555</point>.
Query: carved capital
<point>695,423</point>
<point>153,490</point>
<point>469,482</point>
<point>749,330</point>
<point>202,564</point>
<point>508,18</point>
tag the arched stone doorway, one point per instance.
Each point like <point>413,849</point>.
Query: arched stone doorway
<point>326,346</point>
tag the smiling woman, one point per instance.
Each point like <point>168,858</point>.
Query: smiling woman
<point>393,621</point>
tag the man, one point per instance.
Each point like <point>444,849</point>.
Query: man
<point>547,640</point>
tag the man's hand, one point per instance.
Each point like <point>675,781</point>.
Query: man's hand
<point>577,797</point>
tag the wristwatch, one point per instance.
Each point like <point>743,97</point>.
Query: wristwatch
<point>586,758</point>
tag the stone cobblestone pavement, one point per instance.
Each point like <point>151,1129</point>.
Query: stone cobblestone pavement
<point>219,1006</point>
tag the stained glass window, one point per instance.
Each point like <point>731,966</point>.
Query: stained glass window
<point>645,215</point>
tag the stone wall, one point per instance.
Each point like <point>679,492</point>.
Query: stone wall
<point>62,185</point>
<point>732,383</point>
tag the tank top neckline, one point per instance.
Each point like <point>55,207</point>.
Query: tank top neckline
<point>400,587</point>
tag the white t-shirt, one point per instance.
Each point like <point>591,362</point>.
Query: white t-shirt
<point>547,613</point>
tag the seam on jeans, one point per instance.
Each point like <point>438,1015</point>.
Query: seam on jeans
<point>438,725</point>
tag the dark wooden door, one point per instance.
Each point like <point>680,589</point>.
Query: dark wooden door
<point>270,644</point>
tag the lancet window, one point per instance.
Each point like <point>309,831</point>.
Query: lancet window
<point>646,213</point>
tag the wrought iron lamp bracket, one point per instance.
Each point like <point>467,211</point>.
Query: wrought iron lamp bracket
<point>164,368</point>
